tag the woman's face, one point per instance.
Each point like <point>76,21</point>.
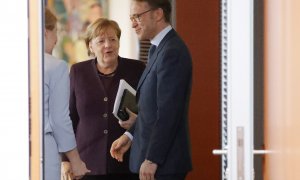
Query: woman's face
<point>106,47</point>
<point>50,39</point>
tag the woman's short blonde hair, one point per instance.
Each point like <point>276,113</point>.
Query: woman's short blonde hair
<point>50,20</point>
<point>98,27</point>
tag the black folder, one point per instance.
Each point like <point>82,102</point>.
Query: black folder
<point>127,101</point>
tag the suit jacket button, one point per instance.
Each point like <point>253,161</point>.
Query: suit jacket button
<point>105,115</point>
<point>105,99</point>
<point>105,131</point>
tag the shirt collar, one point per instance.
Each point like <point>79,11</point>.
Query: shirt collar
<point>158,38</point>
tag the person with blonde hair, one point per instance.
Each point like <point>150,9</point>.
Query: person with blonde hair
<point>59,136</point>
<point>94,85</point>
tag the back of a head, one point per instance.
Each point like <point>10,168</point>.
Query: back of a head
<point>165,5</point>
<point>50,19</point>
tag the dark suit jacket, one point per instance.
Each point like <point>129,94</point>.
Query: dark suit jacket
<point>161,131</point>
<point>91,113</point>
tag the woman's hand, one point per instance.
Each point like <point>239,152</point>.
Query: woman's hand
<point>79,169</point>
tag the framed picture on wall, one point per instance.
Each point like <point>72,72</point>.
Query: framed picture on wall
<point>74,16</point>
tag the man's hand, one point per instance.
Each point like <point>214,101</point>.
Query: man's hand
<point>147,170</point>
<point>128,123</point>
<point>119,147</point>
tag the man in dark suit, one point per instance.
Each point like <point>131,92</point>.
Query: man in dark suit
<point>159,140</point>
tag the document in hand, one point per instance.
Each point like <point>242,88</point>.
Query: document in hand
<point>125,99</point>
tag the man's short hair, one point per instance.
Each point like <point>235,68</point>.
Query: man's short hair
<point>165,5</point>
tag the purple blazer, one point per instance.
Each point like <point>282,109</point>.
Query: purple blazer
<point>91,112</point>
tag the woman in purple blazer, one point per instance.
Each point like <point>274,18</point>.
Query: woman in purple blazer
<point>94,85</point>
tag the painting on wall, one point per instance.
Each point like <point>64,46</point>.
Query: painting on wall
<point>74,16</point>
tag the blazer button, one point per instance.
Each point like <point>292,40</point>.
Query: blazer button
<point>105,115</point>
<point>105,99</point>
<point>105,131</point>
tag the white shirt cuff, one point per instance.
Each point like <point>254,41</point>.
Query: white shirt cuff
<point>129,135</point>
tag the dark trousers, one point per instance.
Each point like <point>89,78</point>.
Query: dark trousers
<point>171,177</point>
<point>112,177</point>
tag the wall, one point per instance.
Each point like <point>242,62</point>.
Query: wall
<point>14,90</point>
<point>119,11</point>
<point>282,87</point>
<point>198,23</point>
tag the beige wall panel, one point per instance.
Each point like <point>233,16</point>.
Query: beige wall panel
<point>282,82</point>
<point>35,87</point>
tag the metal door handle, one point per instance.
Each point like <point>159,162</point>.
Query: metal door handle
<point>262,152</point>
<point>255,152</point>
<point>219,152</point>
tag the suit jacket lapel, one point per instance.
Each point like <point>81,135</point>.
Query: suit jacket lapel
<point>154,58</point>
<point>148,68</point>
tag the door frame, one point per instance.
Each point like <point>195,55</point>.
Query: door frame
<point>237,89</point>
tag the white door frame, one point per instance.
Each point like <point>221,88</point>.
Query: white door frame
<point>240,89</point>
<point>237,90</point>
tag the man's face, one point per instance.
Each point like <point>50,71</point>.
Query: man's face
<point>142,19</point>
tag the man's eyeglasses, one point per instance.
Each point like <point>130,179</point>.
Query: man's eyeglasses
<point>136,17</point>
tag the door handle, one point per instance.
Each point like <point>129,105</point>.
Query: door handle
<point>255,152</point>
<point>262,152</point>
<point>219,152</point>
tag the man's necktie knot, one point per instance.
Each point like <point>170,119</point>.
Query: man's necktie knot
<point>151,51</point>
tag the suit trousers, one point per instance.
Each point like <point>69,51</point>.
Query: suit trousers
<point>171,177</point>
